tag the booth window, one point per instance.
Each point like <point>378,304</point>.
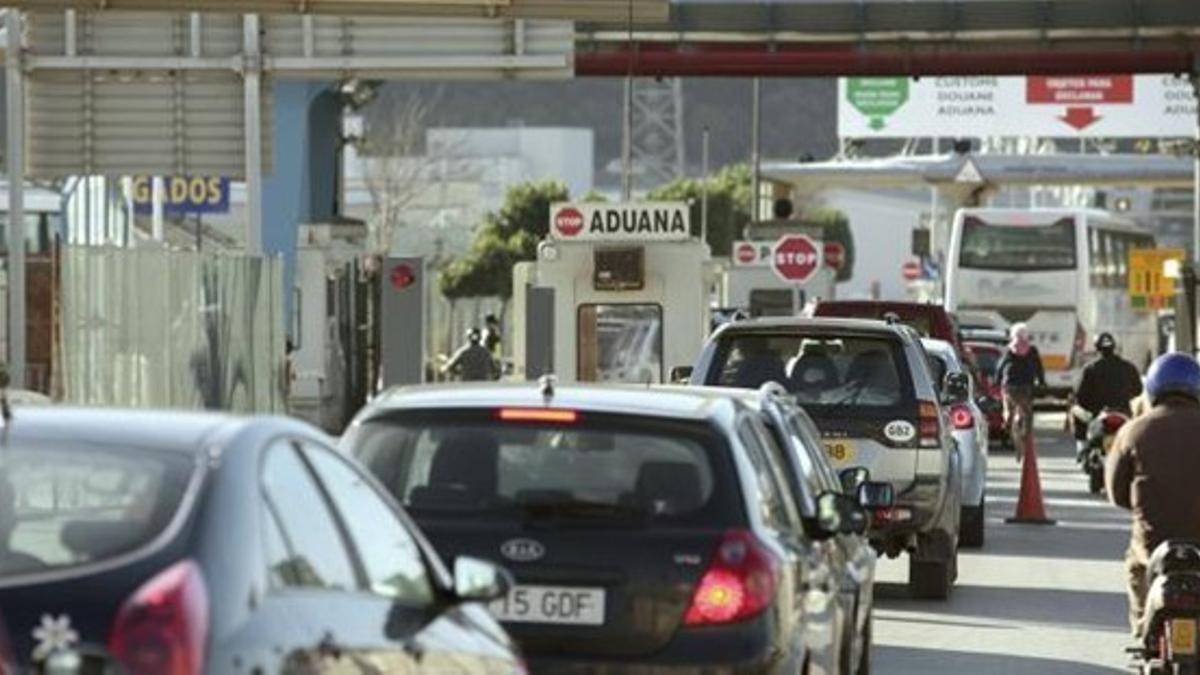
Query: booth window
<point>620,269</point>
<point>620,343</point>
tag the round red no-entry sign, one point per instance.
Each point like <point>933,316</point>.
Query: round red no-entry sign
<point>568,222</point>
<point>746,253</point>
<point>403,276</point>
<point>911,270</point>
<point>835,255</point>
<point>795,258</point>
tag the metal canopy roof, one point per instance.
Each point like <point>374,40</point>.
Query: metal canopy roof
<point>740,38</point>
<point>996,170</point>
<point>619,11</point>
<point>922,19</point>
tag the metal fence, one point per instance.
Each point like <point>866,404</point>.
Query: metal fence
<point>171,329</point>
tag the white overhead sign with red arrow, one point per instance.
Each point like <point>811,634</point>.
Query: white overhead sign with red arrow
<point>1107,106</point>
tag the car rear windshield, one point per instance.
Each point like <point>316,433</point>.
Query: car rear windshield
<point>63,506</point>
<point>595,468</point>
<point>820,370</point>
<point>987,360</point>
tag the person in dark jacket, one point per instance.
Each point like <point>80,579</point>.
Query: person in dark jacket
<point>1108,383</point>
<point>1021,374</point>
<point>472,362</point>
<point>1153,466</point>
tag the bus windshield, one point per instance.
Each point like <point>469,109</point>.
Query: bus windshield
<point>1017,247</point>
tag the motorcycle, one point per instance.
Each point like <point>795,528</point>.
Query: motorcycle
<point>1169,625</point>
<point>1101,432</point>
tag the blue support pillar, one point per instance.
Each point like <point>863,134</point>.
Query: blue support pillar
<point>302,188</point>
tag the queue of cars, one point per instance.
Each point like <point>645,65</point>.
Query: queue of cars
<point>731,523</point>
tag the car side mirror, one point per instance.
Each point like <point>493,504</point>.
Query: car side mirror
<point>478,580</point>
<point>852,478</point>
<point>874,495</point>
<point>956,388</point>
<point>681,374</point>
<point>840,514</point>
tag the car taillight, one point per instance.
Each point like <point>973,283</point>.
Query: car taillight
<point>961,417</point>
<point>929,425</point>
<point>739,583</point>
<point>1113,423</point>
<point>162,629</point>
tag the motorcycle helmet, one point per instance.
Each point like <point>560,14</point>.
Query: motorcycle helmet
<point>473,335</point>
<point>1173,373</point>
<point>1106,343</point>
<point>1174,555</point>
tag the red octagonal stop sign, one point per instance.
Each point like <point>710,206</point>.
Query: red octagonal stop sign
<point>795,258</point>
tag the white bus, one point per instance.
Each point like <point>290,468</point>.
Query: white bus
<point>1064,272</point>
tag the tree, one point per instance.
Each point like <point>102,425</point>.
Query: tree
<point>506,237</point>
<point>835,227</point>
<point>728,204</point>
<point>396,166</point>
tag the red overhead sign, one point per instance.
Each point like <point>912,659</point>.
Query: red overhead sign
<point>795,258</point>
<point>1080,89</point>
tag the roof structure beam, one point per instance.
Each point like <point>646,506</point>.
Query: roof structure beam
<point>611,11</point>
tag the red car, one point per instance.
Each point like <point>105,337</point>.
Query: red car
<point>986,355</point>
<point>932,321</point>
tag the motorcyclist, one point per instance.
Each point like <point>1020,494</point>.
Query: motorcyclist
<point>472,362</point>
<point>1108,383</point>
<point>1020,373</point>
<point>1152,469</point>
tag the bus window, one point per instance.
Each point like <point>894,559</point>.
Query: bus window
<point>1095,258</point>
<point>36,235</point>
<point>998,246</point>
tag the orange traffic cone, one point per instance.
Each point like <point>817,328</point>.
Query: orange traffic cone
<point>1031,509</point>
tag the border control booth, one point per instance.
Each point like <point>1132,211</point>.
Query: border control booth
<point>618,293</point>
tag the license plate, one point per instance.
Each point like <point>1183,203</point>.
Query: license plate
<point>1183,636</point>
<point>552,604</point>
<point>840,452</point>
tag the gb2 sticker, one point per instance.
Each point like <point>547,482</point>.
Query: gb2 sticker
<point>899,431</point>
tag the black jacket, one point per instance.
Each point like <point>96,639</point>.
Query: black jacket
<point>1108,382</point>
<point>1021,371</point>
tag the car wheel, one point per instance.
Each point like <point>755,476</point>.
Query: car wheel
<point>930,579</point>
<point>972,533</point>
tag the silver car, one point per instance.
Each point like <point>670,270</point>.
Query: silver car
<point>869,387</point>
<point>971,434</point>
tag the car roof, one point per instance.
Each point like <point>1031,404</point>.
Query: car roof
<point>691,403</point>
<point>167,431</point>
<point>814,324</point>
<point>940,348</point>
<point>898,306</point>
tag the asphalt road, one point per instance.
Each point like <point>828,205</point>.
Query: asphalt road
<point>1036,599</point>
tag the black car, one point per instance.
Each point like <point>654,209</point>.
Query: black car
<point>158,543</point>
<point>646,528</point>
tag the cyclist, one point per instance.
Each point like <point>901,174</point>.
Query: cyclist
<point>1021,375</point>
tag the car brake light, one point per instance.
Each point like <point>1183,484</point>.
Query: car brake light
<point>961,417</point>
<point>551,415</point>
<point>739,583</point>
<point>162,629</point>
<point>929,425</point>
<point>1113,423</point>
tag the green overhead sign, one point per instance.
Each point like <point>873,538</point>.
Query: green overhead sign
<point>877,97</point>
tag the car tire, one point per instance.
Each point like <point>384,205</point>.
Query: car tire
<point>930,579</point>
<point>971,534</point>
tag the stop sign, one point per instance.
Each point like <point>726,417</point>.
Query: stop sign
<point>835,254</point>
<point>911,270</point>
<point>795,258</point>
<point>746,253</point>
